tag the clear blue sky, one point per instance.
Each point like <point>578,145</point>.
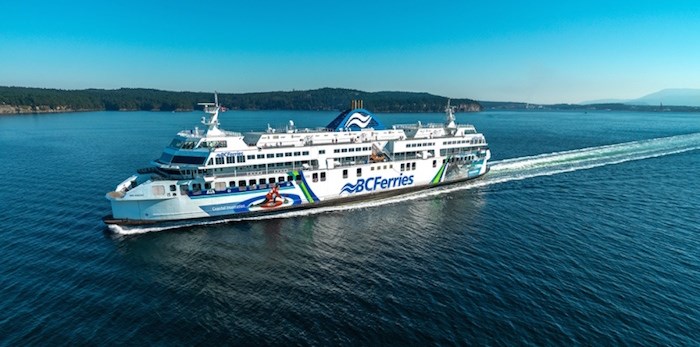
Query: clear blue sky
<point>532,51</point>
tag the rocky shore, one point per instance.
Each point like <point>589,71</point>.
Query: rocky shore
<point>24,109</point>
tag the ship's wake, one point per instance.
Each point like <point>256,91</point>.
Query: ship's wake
<point>501,171</point>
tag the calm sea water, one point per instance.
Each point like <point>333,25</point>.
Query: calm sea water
<point>567,241</point>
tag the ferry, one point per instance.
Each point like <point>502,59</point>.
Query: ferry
<point>211,173</point>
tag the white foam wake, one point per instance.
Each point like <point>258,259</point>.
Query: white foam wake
<point>501,171</point>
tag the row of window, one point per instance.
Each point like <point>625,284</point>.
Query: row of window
<point>354,149</point>
<point>411,166</point>
<point>462,150</point>
<point>276,155</point>
<point>178,143</point>
<point>260,183</point>
<point>213,144</point>
<point>410,155</point>
<point>422,144</point>
<point>314,176</point>
<point>474,140</point>
<point>228,159</point>
<point>460,159</point>
<point>242,159</point>
<point>358,171</point>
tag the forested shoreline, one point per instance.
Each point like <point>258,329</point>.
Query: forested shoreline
<point>40,100</point>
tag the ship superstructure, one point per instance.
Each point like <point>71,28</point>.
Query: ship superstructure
<point>212,173</point>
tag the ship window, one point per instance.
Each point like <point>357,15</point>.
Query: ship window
<point>263,181</point>
<point>211,161</point>
<point>184,159</point>
<point>158,190</point>
<point>288,154</point>
<point>232,184</point>
<point>345,173</point>
<point>279,155</point>
<point>344,150</point>
<point>296,154</point>
<point>241,183</point>
<point>183,189</point>
<point>280,179</point>
<point>403,167</point>
<point>220,186</point>
<point>434,163</point>
<point>230,160</point>
<point>351,149</point>
<point>372,168</point>
<point>173,188</point>
<point>290,178</point>
<point>219,160</point>
<point>413,166</point>
<point>305,153</point>
<point>336,151</point>
<point>261,156</point>
<point>251,157</point>
<point>323,176</point>
<point>240,159</point>
<point>359,172</point>
<point>176,143</point>
<point>315,177</point>
<point>323,151</point>
<point>251,183</point>
<point>188,145</point>
<point>165,158</point>
<point>270,155</point>
<point>207,185</point>
<point>272,180</point>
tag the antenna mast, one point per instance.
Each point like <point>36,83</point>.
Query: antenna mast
<point>213,109</point>
<point>450,113</point>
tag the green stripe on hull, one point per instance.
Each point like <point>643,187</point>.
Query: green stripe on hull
<point>438,177</point>
<point>303,187</point>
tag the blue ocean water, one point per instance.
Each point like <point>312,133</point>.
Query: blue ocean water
<point>585,232</point>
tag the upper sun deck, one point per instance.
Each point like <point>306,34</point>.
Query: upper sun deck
<point>196,134</point>
<point>354,125</point>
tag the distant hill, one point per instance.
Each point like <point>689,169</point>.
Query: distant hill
<point>666,97</point>
<point>604,101</point>
<point>671,97</point>
<point>39,100</point>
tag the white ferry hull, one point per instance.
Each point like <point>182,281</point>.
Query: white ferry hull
<point>232,203</point>
<point>217,174</point>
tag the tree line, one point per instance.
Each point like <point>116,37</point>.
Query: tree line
<point>126,99</point>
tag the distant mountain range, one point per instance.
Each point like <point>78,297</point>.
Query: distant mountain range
<point>665,97</point>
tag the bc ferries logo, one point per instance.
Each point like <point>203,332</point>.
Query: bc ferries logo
<point>359,120</point>
<point>376,183</point>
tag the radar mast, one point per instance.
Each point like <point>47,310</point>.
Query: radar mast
<point>213,110</point>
